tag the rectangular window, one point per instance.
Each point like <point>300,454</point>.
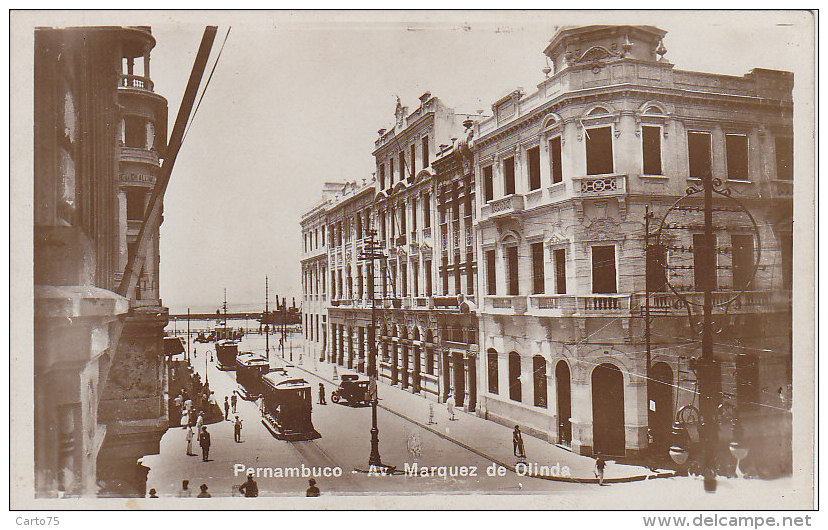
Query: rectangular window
<point>512,270</point>
<point>515,390</point>
<point>599,151</point>
<point>492,372</point>
<point>539,380</point>
<point>403,168</point>
<point>428,278</point>
<point>415,278</point>
<point>784,158</point>
<point>560,270</point>
<point>444,271</point>
<point>537,268</point>
<point>555,159</point>
<point>359,281</point>
<point>533,156</point>
<point>491,278</point>
<point>509,176</point>
<point>135,206</point>
<point>488,184</point>
<point>426,161</point>
<point>656,269</point>
<point>470,273</point>
<point>135,132</point>
<point>413,214</point>
<point>403,279</point>
<point>382,176</point>
<point>390,172</point>
<point>413,159</point>
<point>651,147</point>
<point>426,211</point>
<point>704,271</point>
<point>458,268</point>
<point>743,260</point>
<point>698,152</point>
<point>382,226</point>
<point>603,269</point>
<point>737,156</point>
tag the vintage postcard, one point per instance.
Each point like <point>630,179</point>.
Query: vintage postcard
<point>412,260</point>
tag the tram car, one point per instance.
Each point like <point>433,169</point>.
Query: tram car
<point>250,367</point>
<point>286,407</point>
<point>226,351</point>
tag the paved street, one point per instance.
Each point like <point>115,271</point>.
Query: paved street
<point>345,443</point>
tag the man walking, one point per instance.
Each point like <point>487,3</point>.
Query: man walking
<point>517,443</point>
<point>600,464</point>
<point>226,409</point>
<point>204,442</point>
<point>322,394</point>
<point>237,426</point>
<point>233,399</point>
<point>249,488</point>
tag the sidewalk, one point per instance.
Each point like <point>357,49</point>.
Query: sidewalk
<point>488,439</point>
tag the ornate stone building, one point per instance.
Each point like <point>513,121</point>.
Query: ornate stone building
<point>564,175</point>
<point>100,377</point>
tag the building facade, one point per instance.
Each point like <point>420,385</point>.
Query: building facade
<point>565,175</point>
<point>518,274</point>
<point>100,403</point>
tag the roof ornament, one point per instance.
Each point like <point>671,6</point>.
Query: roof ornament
<point>661,50</point>
<point>627,46</point>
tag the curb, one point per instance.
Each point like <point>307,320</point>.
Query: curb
<point>619,480</point>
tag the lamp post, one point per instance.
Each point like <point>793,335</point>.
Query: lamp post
<point>371,252</point>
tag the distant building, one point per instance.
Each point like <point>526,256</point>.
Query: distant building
<point>564,174</point>
<point>100,376</point>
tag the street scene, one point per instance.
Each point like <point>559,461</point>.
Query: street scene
<point>462,261</point>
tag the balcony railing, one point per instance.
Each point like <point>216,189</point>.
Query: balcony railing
<point>550,305</point>
<point>510,305</point>
<point>602,303</point>
<point>503,207</point>
<point>600,185</point>
<point>136,81</point>
<point>749,302</point>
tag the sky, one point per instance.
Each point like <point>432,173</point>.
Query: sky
<point>297,98</point>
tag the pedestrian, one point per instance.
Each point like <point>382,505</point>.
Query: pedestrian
<point>431,414</point>
<point>153,494</point>
<point>233,400</point>
<point>322,394</point>
<point>237,426</point>
<point>450,406</point>
<point>188,406</point>
<point>204,493</point>
<point>517,443</point>
<point>178,402</point>
<point>204,442</point>
<point>249,488</point>
<point>312,490</point>
<point>190,441</point>
<point>600,464</point>
<point>199,422</point>
<point>185,490</point>
<point>226,409</point>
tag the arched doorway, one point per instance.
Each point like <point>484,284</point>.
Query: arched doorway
<point>608,410</point>
<point>660,391</point>
<point>564,403</point>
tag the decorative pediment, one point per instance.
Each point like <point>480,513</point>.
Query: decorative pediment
<point>556,238</point>
<point>596,54</point>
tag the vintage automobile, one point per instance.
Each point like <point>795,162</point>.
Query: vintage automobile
<point>353,389</point>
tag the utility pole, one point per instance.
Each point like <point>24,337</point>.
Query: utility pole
<point>647,272</point>
<point>371,251</point>
<point>266,323</point>
<point>708,374</point>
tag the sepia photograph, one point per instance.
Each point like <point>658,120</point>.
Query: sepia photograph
<point>413,260</point>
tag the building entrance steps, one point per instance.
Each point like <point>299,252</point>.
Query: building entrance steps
<point>488,439</point>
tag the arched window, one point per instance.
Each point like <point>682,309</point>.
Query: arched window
<point>539,380</point>
<point>514,377</point>
<point>492,370</point>
<point>598,111</point>
<point>652,109</point>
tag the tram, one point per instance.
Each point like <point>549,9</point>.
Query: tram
<point>250,368</point>
<point>226,351</point>
<point>286,407</point>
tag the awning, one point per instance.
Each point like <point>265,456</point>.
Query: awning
<point>173,346</point>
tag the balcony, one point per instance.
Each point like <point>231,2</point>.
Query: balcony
<point>137,81</point>
<point>422,302</point>
<point>546,305</point>
<point>602,304</point>
<point>670,304</point>
<point>445,302</point>
<point>505,305</point>
<point>599,186</point>
<point>139,155</point>
<point>509,205</point>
